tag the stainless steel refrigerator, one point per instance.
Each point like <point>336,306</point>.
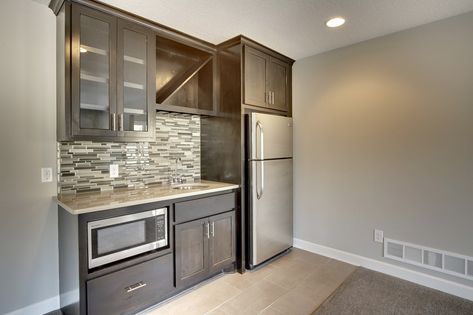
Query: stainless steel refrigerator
<point>270,186</point>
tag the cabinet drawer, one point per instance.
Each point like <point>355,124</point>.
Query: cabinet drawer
<point>204,207</point>
<point>131,289</point>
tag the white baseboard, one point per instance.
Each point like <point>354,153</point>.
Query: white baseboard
<point>430,281</point>
<point>39,308</point>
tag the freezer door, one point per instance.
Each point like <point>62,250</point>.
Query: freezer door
<point>271,136</point>
<point>271,208</point>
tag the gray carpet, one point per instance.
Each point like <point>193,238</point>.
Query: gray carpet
<point>370,292</point>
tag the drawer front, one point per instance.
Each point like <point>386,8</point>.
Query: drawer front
<point>204,207</point>
<point>132,289</point>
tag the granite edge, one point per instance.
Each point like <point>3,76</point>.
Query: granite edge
<point>144,200</point>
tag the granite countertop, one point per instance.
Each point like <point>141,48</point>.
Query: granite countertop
<point>98,201</point>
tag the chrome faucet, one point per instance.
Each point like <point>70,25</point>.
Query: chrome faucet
<point>176,176</point>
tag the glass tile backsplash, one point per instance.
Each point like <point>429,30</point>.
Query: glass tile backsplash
<point>84,165</point>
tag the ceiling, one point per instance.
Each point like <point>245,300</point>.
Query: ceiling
<point>293,27</point>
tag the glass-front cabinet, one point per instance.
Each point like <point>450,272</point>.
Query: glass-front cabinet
<point>112,95</point>
<point>136,79</point>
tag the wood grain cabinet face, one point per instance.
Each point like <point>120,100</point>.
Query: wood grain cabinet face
<point>278,84</point>
<point>191,252</point>
<point>256,71</point>
<point>203,247</point>
<point>132,289</point>
<point>222,240</point>
<point>266,80</point>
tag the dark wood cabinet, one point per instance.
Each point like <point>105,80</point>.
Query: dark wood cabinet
<point>204,247</point>
<point>278,77</point>
<point>191,250</point>
<point>222,240</point>
<point>266,80</point>
<point>132,289</point>
<point>109,77</point>
<point>185,77</point>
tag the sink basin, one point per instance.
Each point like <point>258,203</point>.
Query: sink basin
<point>190,186</point>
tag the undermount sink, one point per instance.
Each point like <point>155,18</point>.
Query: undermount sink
<point>190,186</point>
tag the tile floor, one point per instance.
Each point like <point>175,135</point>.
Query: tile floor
<point>296,283</point>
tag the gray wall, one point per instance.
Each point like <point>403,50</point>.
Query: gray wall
<point>28,219</point>
<point>384,139</point>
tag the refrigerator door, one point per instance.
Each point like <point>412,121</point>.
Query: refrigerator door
<point>271,136</point>
<point>271,208</point>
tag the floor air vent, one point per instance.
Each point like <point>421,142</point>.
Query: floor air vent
<point>435,259</point>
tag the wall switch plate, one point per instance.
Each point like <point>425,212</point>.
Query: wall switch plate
<point>378,236</point>
<point>46,175</point>
<point>113,170</point>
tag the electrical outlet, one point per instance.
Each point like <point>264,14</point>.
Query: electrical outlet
<point>113,170</point>
<point>378,236</point>
<point>46,175</point>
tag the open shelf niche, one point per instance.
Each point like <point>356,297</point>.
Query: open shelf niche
<point>184,77</point>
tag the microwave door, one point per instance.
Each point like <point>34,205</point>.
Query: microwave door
<point>117,238</point>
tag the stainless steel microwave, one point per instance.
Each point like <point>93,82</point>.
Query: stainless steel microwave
<point>113,239</point>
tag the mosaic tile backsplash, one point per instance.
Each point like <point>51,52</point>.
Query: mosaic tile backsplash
<point>83,166</point>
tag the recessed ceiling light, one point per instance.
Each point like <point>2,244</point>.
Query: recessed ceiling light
<point>335,22</point>
<point>82,50</point>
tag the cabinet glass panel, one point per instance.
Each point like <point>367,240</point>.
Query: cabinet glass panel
<point>94,73</point>
<point>135,103</point>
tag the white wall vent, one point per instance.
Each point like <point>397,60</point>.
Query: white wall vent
<point>431,258</point>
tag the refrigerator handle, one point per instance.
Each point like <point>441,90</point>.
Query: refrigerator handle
<point>261,139</point>
<point>260,170</point>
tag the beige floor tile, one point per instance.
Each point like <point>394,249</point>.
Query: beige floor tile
<point>270,311</point>
<point>290,273</point>
<point>324,280</point>
<point>203,299</point>
<point>249,278</point>
<point>216,311</point>
<point>295,302</point>
<point>161,310</point>
<point>296,283</point>
<point>254,299</point>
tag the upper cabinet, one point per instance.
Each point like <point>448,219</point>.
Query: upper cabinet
<point>185,77</point>
<point>112,89</point>
<point>266,80</point>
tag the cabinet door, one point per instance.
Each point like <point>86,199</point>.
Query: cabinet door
<point>256,71</point>
<point>191,252</point>
<point>93,76</point>
<point>222,240</point>
<point>278,84</point>
<point>136,73</point>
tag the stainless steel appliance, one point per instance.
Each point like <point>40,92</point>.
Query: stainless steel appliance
<point>270,186</point>
<point>120,237</point>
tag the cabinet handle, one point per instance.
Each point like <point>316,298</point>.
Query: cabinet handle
<point>135,286</point>
<point>113,122</point>
<point>272,98</point>
<point>267,97</point>
<point>120,122</point>
<point>207,225</point>
<point>213,229</point>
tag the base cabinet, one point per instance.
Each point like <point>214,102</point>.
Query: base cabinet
<point>131,289</point>
<point>204,247</point>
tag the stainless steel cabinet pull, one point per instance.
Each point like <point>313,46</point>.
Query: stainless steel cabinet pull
<point>120,122</point>
<point>208,229</point>
<point>135,286</point>
<point>113,122</point>
<point>272,98</point>
<point>213,229</point>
